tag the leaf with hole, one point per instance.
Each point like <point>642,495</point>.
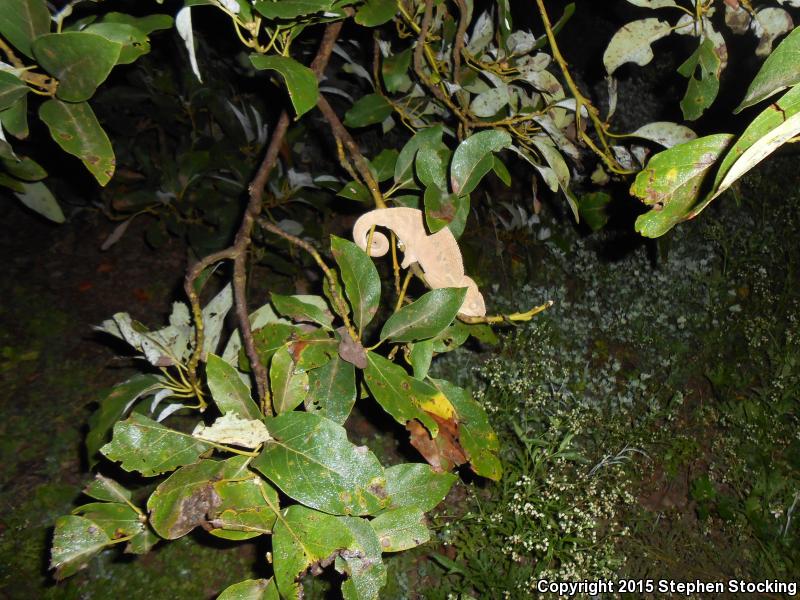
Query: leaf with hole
<point>302,538</point>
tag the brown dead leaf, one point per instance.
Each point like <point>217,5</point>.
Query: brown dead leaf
<point>351,350</point>
<point>442,452</point>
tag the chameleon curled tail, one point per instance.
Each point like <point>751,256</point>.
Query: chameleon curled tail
<point>438,255</point>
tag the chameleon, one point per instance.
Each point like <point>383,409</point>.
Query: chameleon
<point>438,255</point>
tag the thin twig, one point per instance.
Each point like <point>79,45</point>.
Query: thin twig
<point>343,137</point>
<point>238,251</point>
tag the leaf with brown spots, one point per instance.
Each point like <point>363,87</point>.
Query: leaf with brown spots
<point>76,129</point>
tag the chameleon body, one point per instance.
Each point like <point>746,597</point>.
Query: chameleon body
<point>438,255</point>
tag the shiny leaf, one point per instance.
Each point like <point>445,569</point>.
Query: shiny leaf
<point>141,444</point>
<point>230,393</point>
<point>473,159</point>
<point>338,477</point>
<point>417,485</point>
<point>362,284</point>
<point>332,390</point>
<point>779,71</point>
<point>401,529</point>
<point>426,317</point>
<point>75,541</point>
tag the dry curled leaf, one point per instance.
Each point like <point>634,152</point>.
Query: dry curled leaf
<point>438,255</point>
<point>442,452</point>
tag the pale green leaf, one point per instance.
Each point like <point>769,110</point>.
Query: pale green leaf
<point>38,197</point>
<point>418,485</point>
<point>251,589</point>
<point>75,541</point>
<point>401,529</point>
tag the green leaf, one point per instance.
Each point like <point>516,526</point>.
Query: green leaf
<point>672,180</point>
<point>301,83</point>
<point>247,508</point>
<point>38,197</point>
<point>251,589</point>
<point>147,24</point>
<point>75,128</point>
<point>27,169</point>
<point>431,166</point>
<point>445,210</point>
<point>473,159</point>
<point>107,490</point>
<point>362,284</point>
<point>376,12</point>
<point>775,125</point>
<point>75,541</point>
<point>116,519</point>
<point>395,71</point>
<point>80,61</point>
<point>332,390</point>
<point>190,497</point>
<point>368,110</point>
<point>426,317</point>
<point>301,538</point>
<point>141,444</point>
<point>338,477</point>
<point>230,393</point>
<point>134,42</point>
<point>500,169</point>
<point>779,71</point>
<point>417,485</point>
<point>475,434</point>
<point>267,340</point>
<point>112,408</point>
<point>366,573</point>
<point>22,21</point>
<point>15,118</point>
<point>12,89</point>
<point>291,9</point>
<point>404,168</point>
<point>288,385</point>
<point>355,190</point>
<point>299,310</point>
<point>402,396</point>
<point>420,358</point>
<point>401,529</point>
<point>703,86</point>
<point>593,209</point>
<point>383,164</point>
<point>312,349</point>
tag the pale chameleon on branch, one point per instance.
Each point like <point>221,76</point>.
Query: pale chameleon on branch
<point>438,255</point>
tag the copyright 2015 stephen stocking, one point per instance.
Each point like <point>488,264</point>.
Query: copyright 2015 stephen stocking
<point>674,587</point>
